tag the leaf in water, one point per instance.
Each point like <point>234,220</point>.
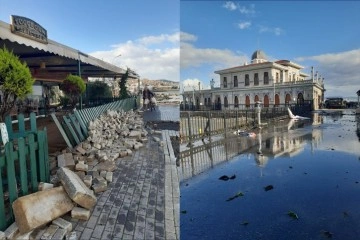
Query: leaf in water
<point>327,234</point>
<point>269,187</point>
<point>239,194</point>
<point>244,223</point>
<point>184,211</point>
<point>293,215</point>
<point>224,178</point>
<point>233,177</point>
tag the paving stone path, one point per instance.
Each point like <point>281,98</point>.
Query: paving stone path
<point>142,202</point>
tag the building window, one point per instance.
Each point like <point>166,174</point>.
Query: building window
<point>236,81</point>
<point>225,82</point>
<point>247,80</point>
<point>226,104</point>
<point>236,102</point>
<point>277,77</point>
<point>256,79</point>
<point>266,78</point>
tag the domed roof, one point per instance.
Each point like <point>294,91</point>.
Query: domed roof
<point>258,54</point>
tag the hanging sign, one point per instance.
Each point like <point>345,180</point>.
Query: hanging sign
<point>28,28</point>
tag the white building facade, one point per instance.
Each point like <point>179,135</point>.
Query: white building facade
<point>272,83</point>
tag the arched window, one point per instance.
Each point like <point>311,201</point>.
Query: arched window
<point>256,99</point>
<point>209,101</point>
<point>236,102</point>
<point>225,82</point>
<point>236,81</point>
<point>247,80</point>
<point>205,102</point>
<point>247,101</point>
<point>277,100</point>
<point>266,101</point>
<point>300,99</point>
<point>266,78</point>
<point>226,104</point>
<point>287,99</point>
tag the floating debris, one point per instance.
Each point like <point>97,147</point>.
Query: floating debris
<point>239,194</point>
<point>184,212</point>
<point>269,187</point>
<point>225,178</point>
<point>327,234</point>
<point>293,215</point>
<point>244,223</point>
<point>345,214</point>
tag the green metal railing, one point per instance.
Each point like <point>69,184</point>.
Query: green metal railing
<point>24,162</point>
<point>74,126</point>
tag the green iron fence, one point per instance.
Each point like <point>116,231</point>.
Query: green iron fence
<point>74,126</point>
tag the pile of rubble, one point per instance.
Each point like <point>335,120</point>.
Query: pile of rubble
<point>78,175</point>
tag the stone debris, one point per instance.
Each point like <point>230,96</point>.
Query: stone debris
<point>76,188</point>
<point>43,186</point>
<point>76,175</point>
<point>36,209</point>
<point>2,236</point>
<point>62,223</point>
<point>49,232</point>
<point>80,213</point>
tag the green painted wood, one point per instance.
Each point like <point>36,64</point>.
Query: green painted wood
<point>63,134</point>
<point>22,165</point>
<point>76,125</point>
<point>41,155</point>
<point>33,164</point>
<point>10,168</point>
<point>21,126</point>
<point>3,223</point>
<point>82,123</point>
<point>67,121</point>
<point>33,126</point>
<point>46,154</point>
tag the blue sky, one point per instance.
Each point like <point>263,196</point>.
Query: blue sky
<point>145,33</point>
<point>324,34</point>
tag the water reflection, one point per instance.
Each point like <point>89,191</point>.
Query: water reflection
<point>284,138</point>
<point>313,167</point>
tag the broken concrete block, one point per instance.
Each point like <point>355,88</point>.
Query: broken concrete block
<point>81,174</point>
<point>129,152</point>
<point>24,236</point>
<point>135,134</point>
<point>99,187</point>
<point>36,209</point>
<point>76,188</point>
<point>62,223</point>
<point>59,234</point>
<point>88,180</point>
<point>81,166</point>
<point>12,230</point>
<point>49,232</point>
<point>2,236</point>
<point>66,160</point>
<point>109,176</point>
<point>80,150</point>
<point>106,166</point>
<point>100,180</point>
<point>43,186</point>
<point>37,233</point>
<point>80,213</point>
<point>103,173</point>
<point>156,139</point>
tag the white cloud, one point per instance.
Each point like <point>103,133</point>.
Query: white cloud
<point>187,37</point>
<point>195,57</point>
<point>152,57</point>
<point>190,84</point>
<point>276,30</point>
<point>230,6</point>
<point>244,25</point>
<point>340,70</point>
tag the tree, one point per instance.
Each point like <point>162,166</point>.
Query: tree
<point>15,81</point>
<point>73,86</point>
<point>98,89</point>
<point>122,84</point>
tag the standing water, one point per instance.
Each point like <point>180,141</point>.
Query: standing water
<point>293,180</point>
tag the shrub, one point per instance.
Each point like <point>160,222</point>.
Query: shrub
<point>73,86</point>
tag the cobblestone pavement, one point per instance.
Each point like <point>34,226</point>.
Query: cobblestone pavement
<point>163,113</point>
<point>142,202</point>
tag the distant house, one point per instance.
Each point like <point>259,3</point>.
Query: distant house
<point>273,83</point>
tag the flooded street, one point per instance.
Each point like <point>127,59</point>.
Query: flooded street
<point>293,180</point>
